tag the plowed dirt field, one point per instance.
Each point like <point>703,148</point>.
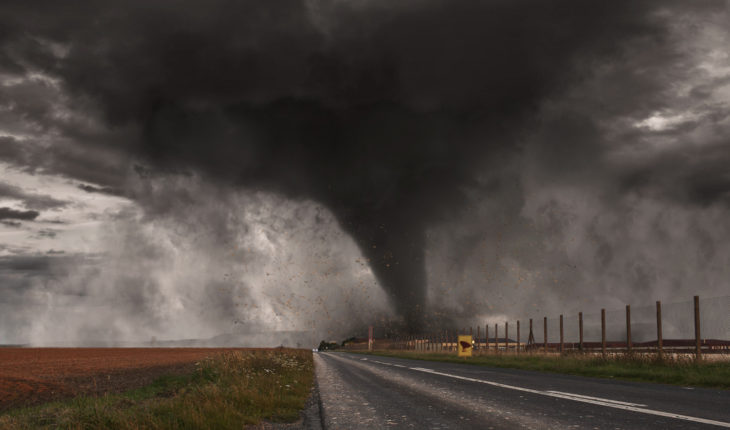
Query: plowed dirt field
<point>34,375</point>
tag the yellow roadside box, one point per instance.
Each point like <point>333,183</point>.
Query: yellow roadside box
<point>465,345</point>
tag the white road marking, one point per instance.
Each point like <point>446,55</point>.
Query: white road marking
<point>584,399</point>
<point>600,399</point>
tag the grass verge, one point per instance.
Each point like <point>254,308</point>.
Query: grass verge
<point>227,391</point>
<point>670,370</point>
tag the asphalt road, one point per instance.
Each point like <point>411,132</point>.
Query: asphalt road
<point>370,392</point>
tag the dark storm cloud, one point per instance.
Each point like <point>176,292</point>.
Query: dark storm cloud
<point>12,151</point>
<point>44,129</point>
<point>9,213</point>
<point>385,113</point>
<point>695,175</point>
<point>31,201</point>
<point>79,160</point>
<point>44,263</point>
<point>381,115</point>
<point>92,189</point>
<point>26,263</point>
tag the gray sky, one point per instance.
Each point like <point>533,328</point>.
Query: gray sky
<point>180,170</point>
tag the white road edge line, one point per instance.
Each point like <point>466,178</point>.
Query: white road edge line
<point>600,399</point>
<point>581,399</point>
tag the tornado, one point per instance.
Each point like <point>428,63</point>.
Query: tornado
<point>385,172</point>
<point>383,113</point>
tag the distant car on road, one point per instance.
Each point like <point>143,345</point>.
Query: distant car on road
<point>315,350</point>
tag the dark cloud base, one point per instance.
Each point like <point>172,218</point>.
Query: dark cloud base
<point>9,213</point>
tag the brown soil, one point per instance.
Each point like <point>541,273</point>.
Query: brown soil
<point>30,376</point>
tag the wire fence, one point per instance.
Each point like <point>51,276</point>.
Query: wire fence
<point>698,326</point>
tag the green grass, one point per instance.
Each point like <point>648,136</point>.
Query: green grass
<point>645,368</point>
<point>227,391</point>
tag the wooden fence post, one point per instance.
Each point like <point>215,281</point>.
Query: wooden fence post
<point>698,341</point>
<point>659,340</point>
<point>580,331</point>
<point>486,335</point>
<point>603,332</point>
<point>496,338</point>
<point>478,330</point>
<point>544,335</point>
<point>518,336</point>
<point>561,334</point>
<point>628,328</point>
<point>506,336</point>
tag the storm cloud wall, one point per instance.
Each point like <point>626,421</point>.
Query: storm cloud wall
<point>381,113</point>
<point>511,125</point>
